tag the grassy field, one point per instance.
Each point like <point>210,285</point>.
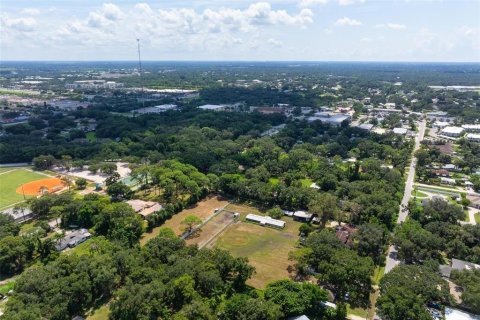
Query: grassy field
<point>10,181</point>
<point>266,248</point>
<point>420,194</point>
<point>100,313</point>
<point>477,217</point>
<point>202,210</point>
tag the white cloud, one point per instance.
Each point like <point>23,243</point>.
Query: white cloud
<point>366,40</point>
<point>349,2</point>
<point>394,26</point>
<point>111,12</point>
<point>30,11</point>
<point>347,22</point>
<point>275,42</point>
<point>18,24</point>
<point>467,31</point>
<point>310,3</point>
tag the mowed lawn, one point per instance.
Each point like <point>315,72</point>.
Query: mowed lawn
<point>10,180</point>
<point>203,210</point>
<point>266,248</point>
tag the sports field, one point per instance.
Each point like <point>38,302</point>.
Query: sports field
<point>266,248</point>
<point>10,180</point>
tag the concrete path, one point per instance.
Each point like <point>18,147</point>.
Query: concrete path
<point>471,215</point>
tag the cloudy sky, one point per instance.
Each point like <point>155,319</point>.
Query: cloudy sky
<point>301,30</point>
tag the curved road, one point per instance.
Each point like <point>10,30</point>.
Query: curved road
<point>402,214</point>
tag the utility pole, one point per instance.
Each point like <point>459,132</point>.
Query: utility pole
<point>140,70</point>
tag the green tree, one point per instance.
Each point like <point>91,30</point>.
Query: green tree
<point>469,280</point>
<point>243,307</point>
<point>13,254</point>
<point>81,183</point>
<point>190,222</point>
<point>371,240</point>
<point>296,298</point>
<point>325,206</point>
<point>275,213</point>
<point>43,162</point>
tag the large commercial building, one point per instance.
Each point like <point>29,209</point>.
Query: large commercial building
<point>473,137</point>
<point>439,116</point>
<point>452,131</point>
<point>335,119</point>
<point>213,107</point>
<point>94,85</point>
<point>471,127</point>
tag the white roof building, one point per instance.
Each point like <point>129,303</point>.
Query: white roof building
<point>156,109</point>
<point>20,215</point>
<point>302,216</point>
<point>366,126</point>
<point>452,131</point>
<point>212,107</point>
<point>330,118</point>
<point>400,131</point>
<point>441,124</point>
<point>471,127</point>
<point>144,208</point>
<point>474,137</point>
<point>266,221</point>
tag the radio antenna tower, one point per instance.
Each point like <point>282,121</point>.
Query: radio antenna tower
<point>140,70</point>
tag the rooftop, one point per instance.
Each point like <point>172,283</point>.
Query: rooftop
<point>266,220</point>
<point>400,130</point>
<point>211,107</point>
<point>455,130</point>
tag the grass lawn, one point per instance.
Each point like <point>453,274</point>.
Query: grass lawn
<point>419,194</point>
<point>441,190</point>
<point>5,169</point>
<point>10,181</point>
<point>477,217</point>
<point>306,182</point>
<point>359,312</point>
<point>7,287</point>
<point>100,313</point>
<point>274,181</point>
<point>91,136</point>
<point>82,248</point>
<point>378,275</point>
<point>203,210</point>
<point>266,248</point>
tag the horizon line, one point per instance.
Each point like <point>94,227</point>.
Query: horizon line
<point>258,61</point>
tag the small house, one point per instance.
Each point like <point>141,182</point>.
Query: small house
<point>302,216</point>
<point>73,239</point>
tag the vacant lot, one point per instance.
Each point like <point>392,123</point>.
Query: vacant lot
<point>212,229</point>
<point>10,180</point>
<point>203,210</point>
<point>266,248</point>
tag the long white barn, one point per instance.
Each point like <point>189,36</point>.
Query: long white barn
<point>266,221</point>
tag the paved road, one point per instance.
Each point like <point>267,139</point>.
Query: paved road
<point>402,214</point>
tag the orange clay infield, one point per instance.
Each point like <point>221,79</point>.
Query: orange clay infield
<point>33,188</point>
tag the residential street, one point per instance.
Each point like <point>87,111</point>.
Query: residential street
<point>402,214</point>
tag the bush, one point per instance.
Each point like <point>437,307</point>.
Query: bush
<point>275,213</point>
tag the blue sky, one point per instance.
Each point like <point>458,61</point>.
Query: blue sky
<point>317,30</point>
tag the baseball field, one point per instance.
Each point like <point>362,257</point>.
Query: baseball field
<point>11,181</point>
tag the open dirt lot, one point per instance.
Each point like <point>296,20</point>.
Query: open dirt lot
<point>203,210</point>
<point>212,229</point>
